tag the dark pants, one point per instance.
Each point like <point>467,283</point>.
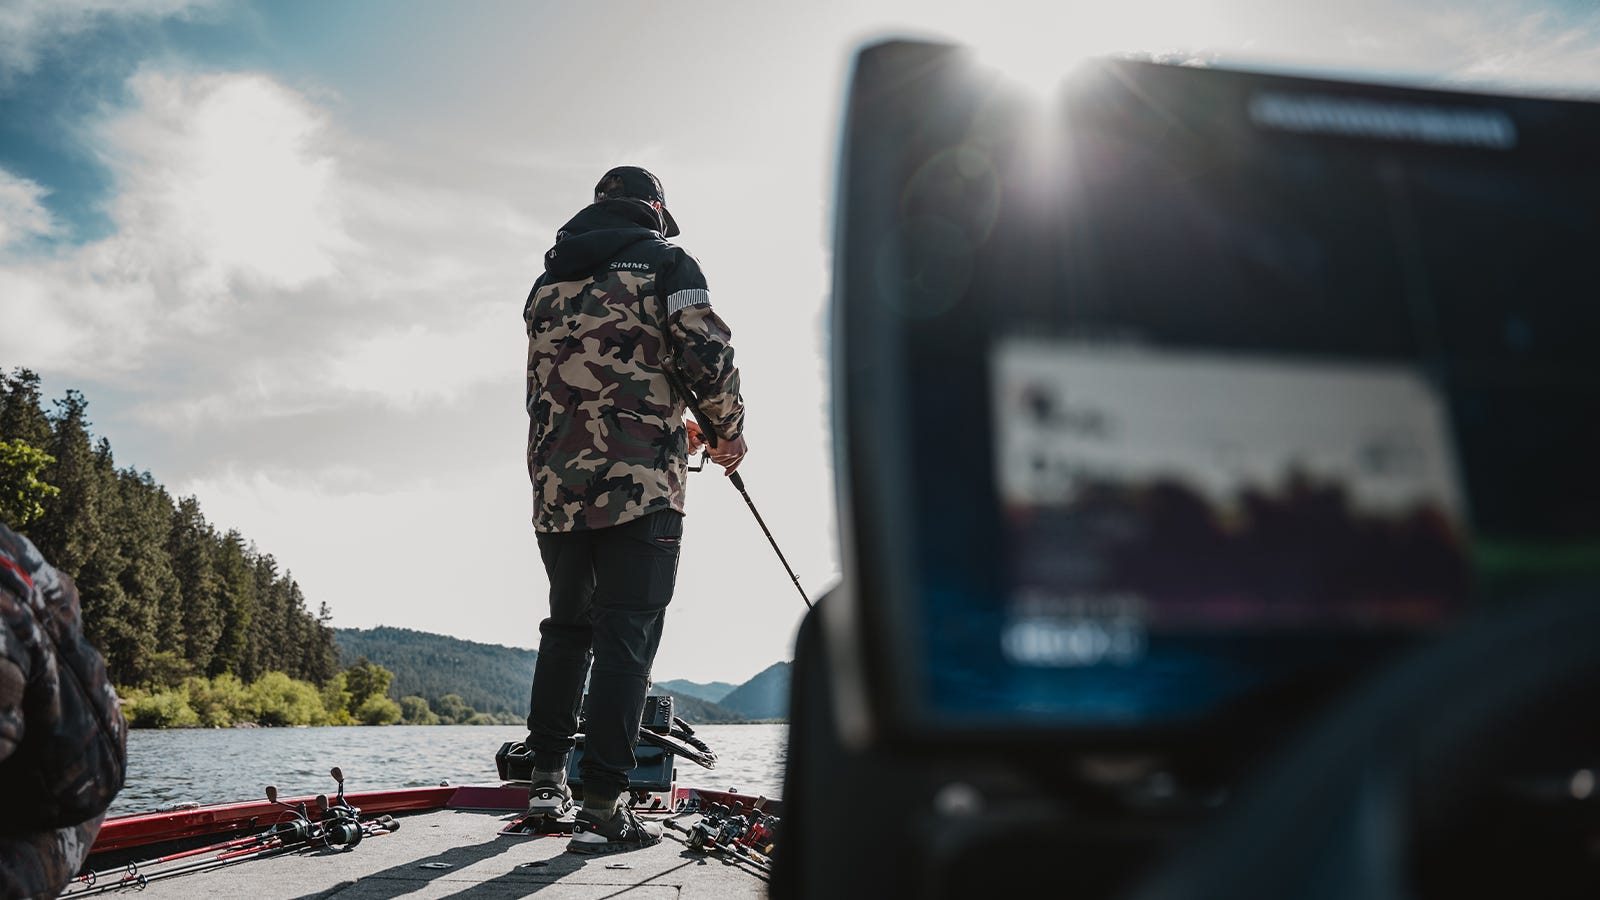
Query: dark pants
<point>609,590</point>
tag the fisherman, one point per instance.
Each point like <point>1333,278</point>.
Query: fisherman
<point>620,328</point>
<point>63,742</point>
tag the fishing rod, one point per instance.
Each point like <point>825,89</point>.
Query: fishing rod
<point>137,875</point>
<point>339,826</point>
<point>738,482</point>
<point>675,379</point>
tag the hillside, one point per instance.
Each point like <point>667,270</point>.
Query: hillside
<point>712,692</point>
<point>695,711</point>
<point>489,677</point>
<point>766,696</point>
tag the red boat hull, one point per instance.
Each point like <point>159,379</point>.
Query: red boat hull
<point>158,827</point>
<point>144,829</point>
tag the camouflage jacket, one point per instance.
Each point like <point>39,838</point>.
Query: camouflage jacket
<point>616,307</point>
<point>63,743</point>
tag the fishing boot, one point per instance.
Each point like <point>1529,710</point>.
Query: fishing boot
<point>597,831</point>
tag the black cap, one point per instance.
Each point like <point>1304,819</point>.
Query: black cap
<point>632,181</point>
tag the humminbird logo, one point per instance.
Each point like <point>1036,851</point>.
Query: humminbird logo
<point>630,265</point>
<point>1387,120</point>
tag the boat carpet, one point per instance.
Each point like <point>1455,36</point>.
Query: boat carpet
<point>458,853</point>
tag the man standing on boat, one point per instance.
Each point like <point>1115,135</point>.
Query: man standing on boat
<point>617,318</point>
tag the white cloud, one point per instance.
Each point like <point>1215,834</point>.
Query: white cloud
<point>29,28</point>
<point>267,263</point>
<point>1513,46</point>
<point>219,188</point>
<point>388,552</point>
<point>223,177</point>
<point>22,215</point>
<point>1533,49</point>
<point>413,364</point>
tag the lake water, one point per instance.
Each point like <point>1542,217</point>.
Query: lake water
<point>231,764</point>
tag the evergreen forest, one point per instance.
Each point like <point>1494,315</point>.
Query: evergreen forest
<point>198,626</point>
<point>165,594</point>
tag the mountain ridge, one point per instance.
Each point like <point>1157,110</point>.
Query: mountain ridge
<point>712,691</point>
<point>494,678</point>
<point>764,696</point>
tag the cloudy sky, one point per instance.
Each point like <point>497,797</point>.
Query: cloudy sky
<point>283,246</point>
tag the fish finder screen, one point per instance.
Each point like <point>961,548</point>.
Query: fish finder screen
<point>1175,492</point>
<point>1279,380</point>
<point>1184,527</point>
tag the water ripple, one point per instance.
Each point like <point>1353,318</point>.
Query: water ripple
<point>232,764</point>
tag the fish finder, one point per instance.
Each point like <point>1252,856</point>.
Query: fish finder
<point>1184,396</point>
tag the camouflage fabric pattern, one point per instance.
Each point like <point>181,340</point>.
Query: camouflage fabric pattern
<point>606,441</point>
<point>63,741</point>
<point>705,360</point>
<point>39,865</point>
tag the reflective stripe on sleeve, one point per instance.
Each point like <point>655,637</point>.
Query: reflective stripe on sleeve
<point>688,297</point>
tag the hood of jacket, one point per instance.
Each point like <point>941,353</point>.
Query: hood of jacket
<point>597,234</point>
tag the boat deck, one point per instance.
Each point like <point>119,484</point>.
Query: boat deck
<point>460,853</point>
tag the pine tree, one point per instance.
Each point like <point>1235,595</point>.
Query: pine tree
<point>142,527</point>
<point>237,606</point>
<point>323,659</point>
<point>264,646</point>
<point>70,528</point>
<point>193,546</point>
<point>22,416</point>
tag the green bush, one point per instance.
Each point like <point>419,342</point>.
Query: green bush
<point>453,710</point>
<point>414,711</point>
<point>220,702</point>
<point>278,699</point>
<point>366,679</point>
<point>378,710</point>
<point>336,701</point>
<point>168,709</point>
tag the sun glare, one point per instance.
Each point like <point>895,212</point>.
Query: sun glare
<point>1036,49</point>
<point>1037,63</point>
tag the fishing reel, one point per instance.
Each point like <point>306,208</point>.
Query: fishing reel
<point>762,835</point>
<point>704,834</point>
<point>338,823</point>
<point>297,830</point>
<point>341,822</point>
<point>734,826</point>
